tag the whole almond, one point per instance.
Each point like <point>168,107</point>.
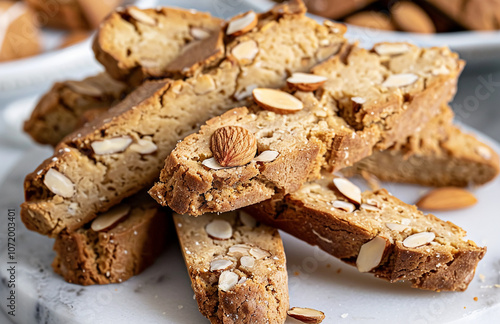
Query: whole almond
<point>233,146</point>
<point>306,315</point>
<point>276,101</point>
<point>242,24</point>
<point>447,198</point>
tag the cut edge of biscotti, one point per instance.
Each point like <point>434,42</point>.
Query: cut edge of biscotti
<point>388,238</point>
<point>237,267</point>
<point>115,246</point>
<point>368,99</point>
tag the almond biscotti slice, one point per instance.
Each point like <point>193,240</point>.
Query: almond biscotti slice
<point>376,232</point>
<point>237,267</point>
<point>117,245</point>
<point>368,100</point>
<point>61,109</point>
<point>123,150</point>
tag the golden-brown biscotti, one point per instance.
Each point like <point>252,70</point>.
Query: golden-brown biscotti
<point>116,251</point>
<point>382,235</point>
<point>237,267</point>
<point>371,99</point>
<point>472,14</point>
<point>123,150</point>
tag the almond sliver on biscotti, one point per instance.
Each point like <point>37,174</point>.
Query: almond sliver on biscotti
<point>368,101</point>
<point>237,267</point>
<point>123,150</point>
<point>385,236</point>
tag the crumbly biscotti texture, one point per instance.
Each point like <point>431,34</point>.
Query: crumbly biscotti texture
<point>60,111</point>
<point>87,257</point>
<point>439,155</point>
<point>164,112</point>
<point>472,14</point>
<point>261,294</point>
<point>134,44</point>
<point>342,122</point>
<point>447,263</point>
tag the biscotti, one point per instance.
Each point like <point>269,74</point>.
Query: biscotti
<point>335,9</point>
<point>472,14</point>
<point>60,111</point>
<point>123,150</point>
<point>117,245</point>
<point>368,100</point>
<point>237,267</point>
<point>439,155</point>
<point>376,232</point>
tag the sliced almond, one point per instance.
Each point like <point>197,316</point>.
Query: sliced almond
<point>141,16</point>
<point>447,198</point>
<point>245,51</point>
<point>277,101</point>
<point>84,88</point>
<point>219,229</point>
<point>213,164</point>
<point>220,264</point>
<point>266,156</point>
<point>306,315</point>
<point>400,80</point>
<point>245,92</point>
<point>441,70</point>
<point>369,207</point>
<point>233,146</point>
<point>199,33</point>
<point>348,189</point>
<point>484,152</point>
<point>204,84</point>
<point>227,280</point>
<point>59,184</point>
<point>391,49</point>
<point>144,146</point>
<point>106,220</point>
<point>344,205</point>
<point>112,145</point>
<point>247,261</point>
<point>373,202</point>
<point>358,100</point>
<point>239,249</point>
<point>305,81</point>
<point>242,280</point>
<point>247,219</point>
<point>259,253</point>
<point>243,24</point>
<point>419,239</point>
<point>397,227</point>
<point>371,254</point>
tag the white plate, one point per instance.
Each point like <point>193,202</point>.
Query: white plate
<point>163,292</point>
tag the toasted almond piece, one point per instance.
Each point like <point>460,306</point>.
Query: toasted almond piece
<point>247,261</point>
<point>348,189</point>
<point>245,92</point>
<point>247,219</point>
<point>306,315</point>
<point>243,249</point>
<point>111,145</point>
<point>447,198</point>
<point>441,70</point>
<point>212,164</point>
<point>373,202</point>
<point>400,80</point>
<point>204,84</point>
<point>369,207</point>
<point>219,229</point>
<point>391,49</point>
<point>371,254</point>
<point>276,101</point>
<point>227,280</point>
<point>243,24</point>
<point>141,16</point>
<point>220,264</point>
<point>397,227</point>
<point>106,220</point>
<point>484,152</point>
<point>233,146</point>
<point>410,17</point>
<point>59,184</point>
<point>305,81</point>
<point>418,239</point>
<point>358,100</point>
<point>84,88</point>
<point>245,51</point>
<point>266,156</point>
<point>199,33</point>
<point>344,205</point>
<point>259,253</point>
<point>144,146</point>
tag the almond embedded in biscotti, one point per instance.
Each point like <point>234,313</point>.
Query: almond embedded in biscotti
<point>348,189</point>
<point>220,264</point>
<point>144,146</point>
<point>277,101</point>
<point>247,219</point>
<point>219,229</point>
<point>391,49</point>
<point>447,198</point>
<point>306,315</point>
<point>484,152</point>
<point>204,84</point>
<point>84,88</point>
<point>418,239</point>
<point>400,80</point>
<point>106,220</point>
<point>233,146</point>
<point>239,249</point>
<point>266,156</point>
<point>211,163</point>
<point>344,205</point>
<point>199,33</point>
<point>369,207</point>
<point>305,81</point>
<point>59,184</point>
<point>259,253</point>
<point>247,261</point>
<point>245,51</point>
<point>227,280</point>
<point>141,16</point>
<point>397,227</point>
<point>111,145</point>
<point>371,253</point>
<point>358,100</point>
<point>243,24</point>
